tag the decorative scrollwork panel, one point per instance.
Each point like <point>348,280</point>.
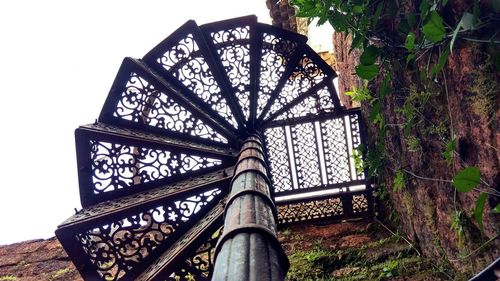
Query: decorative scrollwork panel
<point>116,247</point>
<point>186,62</point>
<point>199,266</point>
<point>139,98</point>
<point>310,210</point>
<point>167,264</point>
<point>359,203</point>
<point>277,150</point>
<point>305,150</point>
<point>336,150</point>
<point>319,102</point>
<point>306,75</point>
<point>275,55</point>
<point>117,166</point>
<point>233,48</point>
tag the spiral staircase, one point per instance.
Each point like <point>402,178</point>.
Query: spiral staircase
<point>155,170</point>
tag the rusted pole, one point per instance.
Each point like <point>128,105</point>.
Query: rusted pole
<point>249,249</point>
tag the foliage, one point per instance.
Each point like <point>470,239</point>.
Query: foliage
<point>450,148</point>
<point>458,226</point>
<point>399,181</point>
<point>426,37</point>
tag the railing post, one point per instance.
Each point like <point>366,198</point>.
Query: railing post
<point>249,249</point>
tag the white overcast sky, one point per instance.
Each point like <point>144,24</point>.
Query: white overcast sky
<point>58,60</point>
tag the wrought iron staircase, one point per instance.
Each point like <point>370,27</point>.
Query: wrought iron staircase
<point>156,169</point>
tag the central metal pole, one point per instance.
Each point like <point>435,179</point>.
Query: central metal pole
<point>249,249</point>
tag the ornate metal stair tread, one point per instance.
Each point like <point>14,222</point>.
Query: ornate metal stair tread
<point>171,130</point>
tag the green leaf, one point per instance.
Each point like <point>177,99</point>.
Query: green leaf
<point>356,41</point>
<point>434,29</point>
<point>443,58</point>
<point>360,94</point>
<point>479,210</point>
<point>369,55</point>
<point>448,152</point>
<point>357,9</point>
<point>367,72</point>
<point>467,179</point>
<point>410,57</point>
<point>496,210</point>
<point>338,21</point>
<point>410,41</point>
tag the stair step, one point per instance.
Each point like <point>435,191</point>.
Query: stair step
<point>192,254</point>
<point>114,162</point>
<point>117,239</point>
<point>141,100</point>
<point>185,56</point>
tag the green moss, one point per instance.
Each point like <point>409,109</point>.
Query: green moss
<point>60,273</point>
<point>413,144</point>
<point>8,277</point>
<point>484,89</point>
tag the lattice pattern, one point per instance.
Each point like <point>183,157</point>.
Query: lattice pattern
<point>305,150</point>
<point>117,166</point>
<point>233,48</point>
<point>199,266</point>
<point>305,76</point>
<point>116,247</point>
<point>336,150</point>
<point>277,150</point>
<point>317,154</point>
<point>276,54</point>
<point>186,63</point>
<point>161,265</point>
<point>141,102</point>
<point>310,210</point>
<point>319,102</point>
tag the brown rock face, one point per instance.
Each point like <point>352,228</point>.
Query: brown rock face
<point>36,260</point>
<point>346,62</point>
<point>462,102</point>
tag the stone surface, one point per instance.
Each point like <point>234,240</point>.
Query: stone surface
<point>36,260</point>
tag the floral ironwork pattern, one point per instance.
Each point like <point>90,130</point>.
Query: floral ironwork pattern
<point>359,203</point>
<point>310,210</point>
<point>117,166</point>
<point>276,53</point>
<point>319,102</point>
<point>305,150</point>
<point>199,266</point>
<point>275,139</point>
<point>141,102</point>
<point>336,150</point>
<point>233,48</point>
<point>306,75</point>
<point>161,265</point>
<point>116,247</point>
<point>186,63</point>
